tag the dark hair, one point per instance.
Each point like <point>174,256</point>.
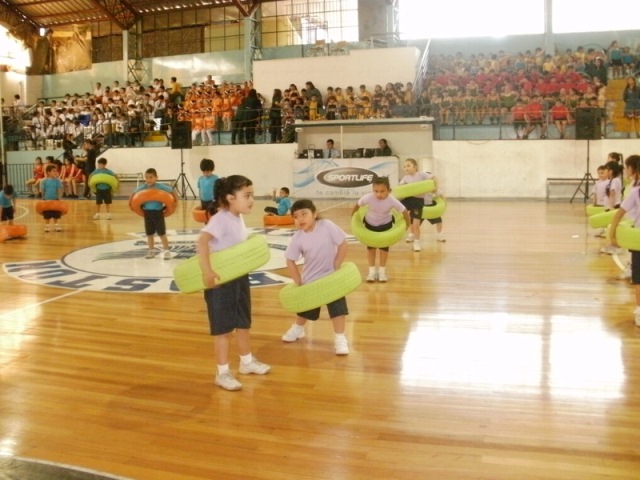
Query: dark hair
<point>227,186</point>
<point>302,204</point>
<point>207,165</point>
<point>50,158</point>
<point>633,162</point>
<point>616,156</point>
<point>151,171</point>
<point>381,181</point>
<point>8,189</point>
<point>50,167</point>
<point>102,161</point>
<point>285,190</point>
<point>615,167</point>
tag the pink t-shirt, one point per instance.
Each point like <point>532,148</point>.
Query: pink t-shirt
<point>379,212</point>
<point>318,248</point>
<point>227,230</point>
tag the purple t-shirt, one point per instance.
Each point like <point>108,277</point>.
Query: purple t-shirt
<point>631,205</point>
<point>416,177</point>
<point>379,212</point>
<point>227,230</point>
<point>318,248</point>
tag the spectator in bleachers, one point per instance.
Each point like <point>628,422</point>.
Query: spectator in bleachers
<point>560,116</point>
<point>519,118</point>
<point>631,98</point>
<point>275,116</point>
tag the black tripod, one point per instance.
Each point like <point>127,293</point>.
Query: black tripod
<point>587,178</point>
<point>183,181</point>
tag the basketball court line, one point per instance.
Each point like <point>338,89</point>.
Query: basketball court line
<point>7,315</point>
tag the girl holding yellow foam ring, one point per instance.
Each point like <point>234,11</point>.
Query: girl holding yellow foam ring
<point>631,207</point>
<point>228,304</point>
<point>323,246</point>
<point>379,218</point>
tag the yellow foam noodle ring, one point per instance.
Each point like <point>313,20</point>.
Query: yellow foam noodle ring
<point>300,298</point>
<point>277,220</point>
<point>230,263</point>
<point>601,220</point>
<point>52,206</point>
<point>414,189</point>
<point>377,239</point>
<point>153,194</point>
<point>98,178</point>
<point>627,236</point>
<point>200,215</point>
<point>429,212</point>
<point>594,209</point>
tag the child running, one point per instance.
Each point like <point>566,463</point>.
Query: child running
<point>229,304</point>
<point>153,214</point>
<point>51,189</point>
<point>413,204</point>
<point>103,190</point>
<point>322,245</point>
<point>380,219</point>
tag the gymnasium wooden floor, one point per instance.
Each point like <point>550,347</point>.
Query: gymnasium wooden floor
<point>508,352</point>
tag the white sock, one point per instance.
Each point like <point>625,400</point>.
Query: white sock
<point>372,270</point>
<point>382,270</point>
<point>246,359</point>
<point>340,335</point>
<point>223,368</point>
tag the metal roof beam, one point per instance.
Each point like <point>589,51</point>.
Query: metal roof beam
<point>119,11</point>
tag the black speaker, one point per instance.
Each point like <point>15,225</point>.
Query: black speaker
<point>181,135</point>
<point>588,123</point>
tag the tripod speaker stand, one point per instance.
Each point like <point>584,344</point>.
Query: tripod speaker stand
<point>182,182</point>
<point>587,178</point>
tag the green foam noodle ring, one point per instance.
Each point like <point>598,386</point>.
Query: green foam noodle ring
<point>230,263</point>
<point>594,209</point>
<point>377,239</point>
<point>625,222</point>
<point>601,220</point>
<point>414,189</point>
<point>148,194</point>
<point>627,236</point>
<point>98,178</point>
<point>52,206</point>
<point>430,212</point>
<point>300,298</point>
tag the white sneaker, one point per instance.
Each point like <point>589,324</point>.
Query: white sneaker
<point>440,238</point>
<point>227,381</point>
<point>255,366</point>
<point>58,228</point>
<point>46,228</point>
<point>382,277</point>
<point>626,273</point>
<point>409,238</point>
<point>96,216</point>
<point>341,345</point>
<point>167,255</point>
<point>294,333</point>
<point>372,277</point>
<point>150,254</point>
<point>416,246</point>
<point>601,233</point>
<point>109,216</point>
